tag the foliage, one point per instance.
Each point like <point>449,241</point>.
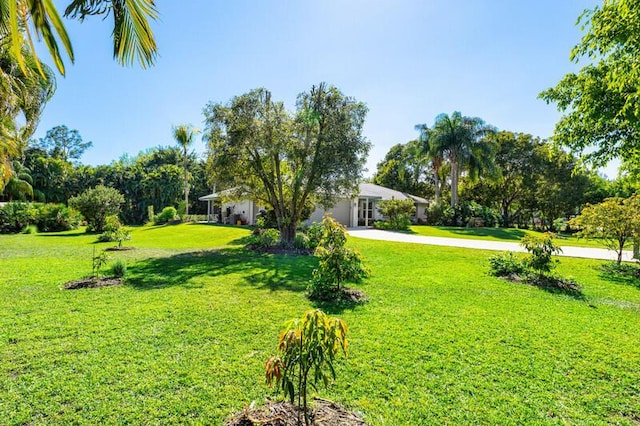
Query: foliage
<point>98,262</point>
<point>30,230</point>
<point>600,103</point>
<point>404,168</point>
<point>398,213</point>
<point>337,264</point>
<point>132,35</point>
<point>314,234</point>
<point>506,264</point>
<point>463,143</point>
<point>540,249</point>
<point>57,217</point>
<point>16,216</point>
<point>614,222</point>
<point>96,204</point>
<point>627,270</point>
<point>288,161</point>
<point>119,268</point>
<point>65,144</point>
<point>301,242</point>
<point>168,214</point>
<point>440,214</point>
<point>307,350</point>
<point>185,135</point>
<point>470,214</point>
<point>264,239</point>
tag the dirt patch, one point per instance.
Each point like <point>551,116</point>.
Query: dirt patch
<point>323,413</point>
<point>116,248</point>
<point>93,282</point>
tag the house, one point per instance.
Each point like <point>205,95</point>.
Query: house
<point>362,210</point>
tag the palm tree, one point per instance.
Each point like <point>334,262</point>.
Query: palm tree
<point>185,135</point>
<point>435,157</point>
<point>462,142</point>
<point>132,35</point>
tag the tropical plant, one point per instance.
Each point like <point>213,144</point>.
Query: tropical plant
<point>307,349</point>
<point>614,222</point>
<point>337,264</point>
<point>185,135</point>
<point>96,204</point>
<point>540,249</point>
<point>132,35</point>
<point>119,268</point>
<point>57,217</point>
<point>16,216</point>
<point>462,142</point>
<point>505,264</point>
<point>168,214</point>
<point>98,262</point>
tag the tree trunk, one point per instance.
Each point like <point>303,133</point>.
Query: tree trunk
<point>454,184</point>
<point>437,187</point>
<point>287,234</point>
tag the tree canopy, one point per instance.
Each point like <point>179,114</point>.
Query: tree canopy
<point>65,144</point>
<point>286,160</point>
<point>601,102</point>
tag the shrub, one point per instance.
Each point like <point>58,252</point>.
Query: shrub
<point>16,216</point>
<point>30,230</point>
<point>307,345</point>
<point>337,264</point>
<point>119,268</point>
<point>96,204</point>
<point>314,235</point>
<point>168,214</point>
<point>440,214</point>
<point>398,213</point>
<point>301,241</point>
<point>193,218</point>
<point>111,226</point>
<point>57,217</point>
<point>540,251</point>
<point>505,264</point>
<point>268,238</point>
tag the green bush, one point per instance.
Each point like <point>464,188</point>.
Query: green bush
<point>30,230</point>
<point>57,217</point>
<point>16,216</point>
<point>119,268</point>
<point>268,238</point>
<point>540,251</point>
<point>440,214</point>
<point>96,205</point>
<point>337,264</point>
<point>168,214</point>
<point>398,213</point>
<point>314,235</point>
<point>505,264</point>
<point>111,226</point>
<point>301,241</point>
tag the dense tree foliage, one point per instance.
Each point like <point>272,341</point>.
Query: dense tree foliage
<point>287,160</point>
<point>405,168</point>
<point>601,102</point>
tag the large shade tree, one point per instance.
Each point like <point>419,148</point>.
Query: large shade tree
<point>463,143</point>
<point>185,135</point>
<point>284,160</point>
<point>601,102</point>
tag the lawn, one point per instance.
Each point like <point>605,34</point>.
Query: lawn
<point>185,340</point>
<point>497,234</point>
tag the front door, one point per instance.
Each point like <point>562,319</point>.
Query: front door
<point>365,212</point>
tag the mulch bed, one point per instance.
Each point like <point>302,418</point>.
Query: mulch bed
<point>547,282</point>
<point>281,413</point>
<point>93,282</point>
<point>116,248</point>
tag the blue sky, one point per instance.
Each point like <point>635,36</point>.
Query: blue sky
<point>407,60</point>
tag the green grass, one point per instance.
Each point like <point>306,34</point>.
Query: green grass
<point>497,234</point>
<point>185,340</point>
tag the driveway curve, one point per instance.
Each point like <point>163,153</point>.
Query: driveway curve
<point>569,251</point>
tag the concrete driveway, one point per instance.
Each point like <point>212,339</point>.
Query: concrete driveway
<point>585,252</point>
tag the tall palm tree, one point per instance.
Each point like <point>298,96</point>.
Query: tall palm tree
<point>462,142</point>
<point>132,35</point>
<point>185,135</point>
<point>435,157</point>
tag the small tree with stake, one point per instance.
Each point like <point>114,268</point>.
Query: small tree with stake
<point>308,345</point>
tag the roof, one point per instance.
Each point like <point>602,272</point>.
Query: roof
<point>369,190</point>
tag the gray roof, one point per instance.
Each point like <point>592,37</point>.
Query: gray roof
<point>369,190</point>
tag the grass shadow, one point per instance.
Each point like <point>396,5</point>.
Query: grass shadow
<point>501,233</point>
<point>185,269</point>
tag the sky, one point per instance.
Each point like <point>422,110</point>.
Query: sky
<point>407,60</point>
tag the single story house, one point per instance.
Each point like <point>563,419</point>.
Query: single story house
<point>362,210</point>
